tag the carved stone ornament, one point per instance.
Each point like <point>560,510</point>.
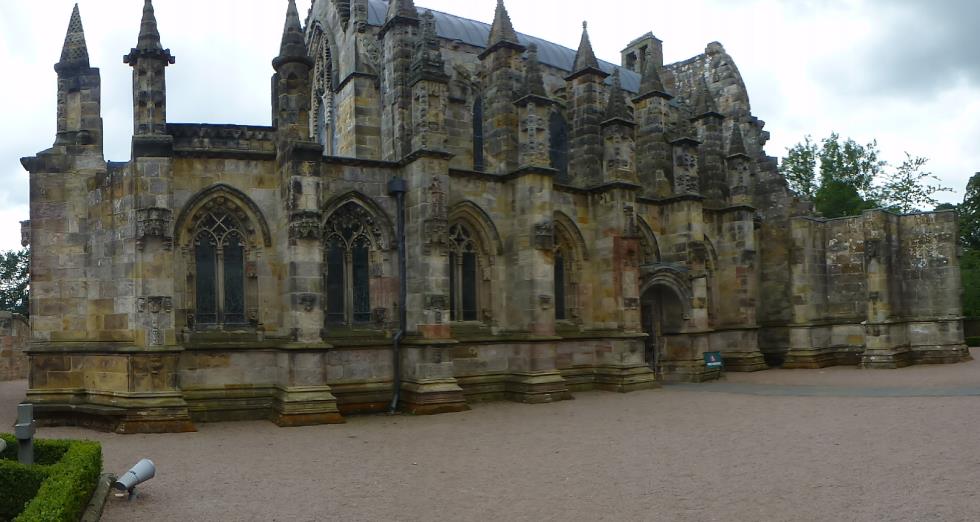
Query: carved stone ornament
<point>872,249</point>
<point>631,303</point>
<point>307,301</point>
<point>630,229</point>
<point>154,222</point>
<point>435,301</point>
<point>545,302</point>
<point>154,304</point>
<point>544,235</point>
<point>25,233</point>
<point>304,225</point>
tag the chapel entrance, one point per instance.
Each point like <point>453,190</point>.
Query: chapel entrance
<point>661,316</point>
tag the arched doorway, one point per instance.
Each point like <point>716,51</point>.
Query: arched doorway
<point>663,316</point>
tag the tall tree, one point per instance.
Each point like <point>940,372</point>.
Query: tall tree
<point>970,214</point>
<point>799,167</point>
<point>908,188</point>
<point>15,280</point>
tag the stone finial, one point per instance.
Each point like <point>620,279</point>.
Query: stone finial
<point>293,43</point>
<point>149,34</point>
<point>650,82</point>
<point>427,63</point>
<point>704,103</point>
<point>616,108</point>
<point>401,9</point>
<point>585,57</point>
<point>736,143</point>
<point>75,51</point>
<point>502,29</point>
<point>533,77</point>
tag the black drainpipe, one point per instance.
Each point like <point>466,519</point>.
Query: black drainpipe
<point>397,187</point>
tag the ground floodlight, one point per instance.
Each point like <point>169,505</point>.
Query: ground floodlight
<point>143,470</point>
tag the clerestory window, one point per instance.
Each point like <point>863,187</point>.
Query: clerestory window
<point>219,256</point>
<point>463,298</point>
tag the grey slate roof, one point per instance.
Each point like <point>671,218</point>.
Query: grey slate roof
<point>472,32</point>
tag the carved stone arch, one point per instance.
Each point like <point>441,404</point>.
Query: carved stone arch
<point>480,222</point>
<point>673,279</point>
<point>256,226</point>
<point>324,80</point>
<point>383,233</point>
<point>711,260</point>
<point>648,243</point>
<point>565,226</point>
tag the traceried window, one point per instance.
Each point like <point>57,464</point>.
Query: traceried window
<point>463,299</point>
<point>219,258</point>
<point>348,241</point>
<point>566,285</point>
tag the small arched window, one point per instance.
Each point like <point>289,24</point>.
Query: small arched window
<point>348,243</point>
<point>561,309</point>
<point>558,128</point>
<point>219,258</point>
<point>463,265</point>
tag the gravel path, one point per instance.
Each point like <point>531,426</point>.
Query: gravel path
<point>677,454</point>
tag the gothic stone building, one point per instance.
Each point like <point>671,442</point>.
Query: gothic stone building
<point>450,212</point>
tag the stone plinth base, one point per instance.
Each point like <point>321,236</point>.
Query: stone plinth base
<point>744,361</point>
<point>164,413</point>
<point>689,371</point>
<point>941,354</point>
<point>432,396</point>
<point>625,379</point>
<point>537,387</point>
<point>821,358</point>
<point>886,359</point>
<point>306,406</point>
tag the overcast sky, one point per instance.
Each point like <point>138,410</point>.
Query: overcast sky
<point>904,72</point>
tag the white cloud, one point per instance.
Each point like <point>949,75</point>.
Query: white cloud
<point>808,66</point>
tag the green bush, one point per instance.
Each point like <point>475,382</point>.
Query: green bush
<point>18,484</point>
<point>973,341</point>
<point>57,488</point>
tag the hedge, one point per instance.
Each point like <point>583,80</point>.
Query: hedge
<point>57,488</point>
<point>973,341</point>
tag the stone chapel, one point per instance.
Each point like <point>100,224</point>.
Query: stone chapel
<point>444,212</point>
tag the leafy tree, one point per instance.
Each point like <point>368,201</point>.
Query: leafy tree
<point>908,188</point>
<point>15,280</point>
<point>799,167</point>
<point>970,214</point>
<point>838,175</point>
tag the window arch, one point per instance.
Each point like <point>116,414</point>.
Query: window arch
<point>569,252</point>
<point>558,154</point>
<point>219,262</point>
<point>463,275</point>
<point>350,235</point>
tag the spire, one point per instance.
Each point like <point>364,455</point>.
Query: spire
<point>75,52</point>
<point>704,103</point>
<point>736,143</point>
<point>402,9</point>
<point>585,57</point>
<point>650,82</point>
<point>427,64</point>
<point>293,42</point>
<point>616,108</point>
<point>533,78</point>
<point>502,29</point>
<point>149,35</point>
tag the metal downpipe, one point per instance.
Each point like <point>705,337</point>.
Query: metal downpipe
<point>397,188</point>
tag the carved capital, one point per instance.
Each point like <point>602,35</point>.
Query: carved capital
<point>544,235</point>
<point>304,225</point>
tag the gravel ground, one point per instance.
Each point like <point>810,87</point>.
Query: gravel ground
<point>674,454</point>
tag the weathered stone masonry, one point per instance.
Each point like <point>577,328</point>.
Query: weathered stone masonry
<point>569,225</point>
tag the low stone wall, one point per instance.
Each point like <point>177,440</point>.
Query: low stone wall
<point>15,333</point>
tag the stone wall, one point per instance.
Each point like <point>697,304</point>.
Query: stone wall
<point>15,335</point>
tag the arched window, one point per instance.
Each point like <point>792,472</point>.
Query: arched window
<point>568,253</point>
<point>478,162</point>
<point>219,259</point>
<point>558,128</point>
<point>348,237</point>
<point>463,293</point>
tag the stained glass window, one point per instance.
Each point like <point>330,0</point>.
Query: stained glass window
<point>463,294</point>
<point>219,262</point>
<point>560,286</point>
